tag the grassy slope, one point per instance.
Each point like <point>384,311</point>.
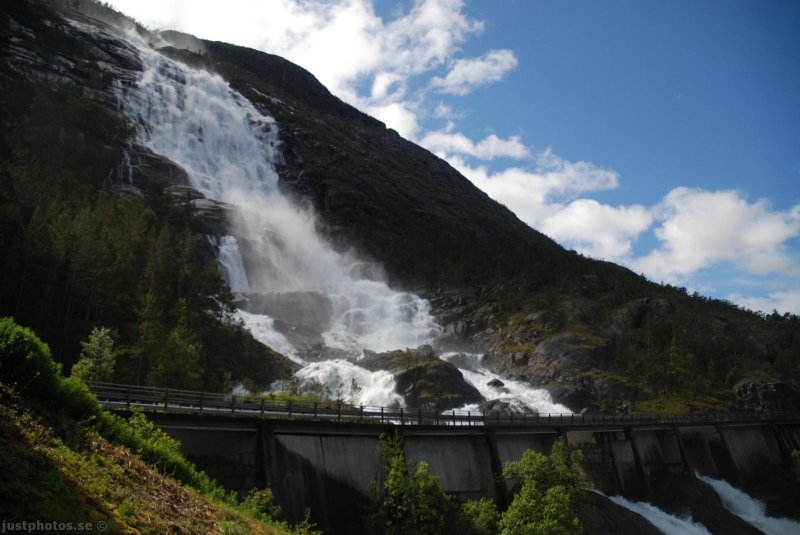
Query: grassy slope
<point>55,469</point>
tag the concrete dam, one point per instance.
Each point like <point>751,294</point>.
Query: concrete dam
<point>328,461</point>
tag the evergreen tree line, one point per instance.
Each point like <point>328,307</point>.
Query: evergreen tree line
<point>80,258</point>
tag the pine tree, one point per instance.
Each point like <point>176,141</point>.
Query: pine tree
<point>97,358</point>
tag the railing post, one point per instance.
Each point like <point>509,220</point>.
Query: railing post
<point>454,416</point>
<point>401,415</point>
<point>469,419</point>
<point>338,410</point>
<point>381,414</point>
<point>201,402</point>
<point>166,398</point>
<point>261,409</point>
<point>361,413</point>
<point>128,399</point>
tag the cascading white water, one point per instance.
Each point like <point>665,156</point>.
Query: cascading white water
<point>354,384</point>
<point>665,522</point>
<point>230,260</point>
<point>521,396</point>
<point>229,150</point>
<point>750,510</point>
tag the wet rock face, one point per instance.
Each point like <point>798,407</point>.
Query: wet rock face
<point>601,516</point>
<point>559,364</point>
<point>685,495</point>
<point>48,50</point>
<point>424,380</point>
<point>767,397</point>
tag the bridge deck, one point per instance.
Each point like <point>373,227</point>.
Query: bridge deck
<point>125,397</point>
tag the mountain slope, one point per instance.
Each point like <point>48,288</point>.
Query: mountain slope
<point>595,334</point>
<point>610,338</point>
<point>391,199</point>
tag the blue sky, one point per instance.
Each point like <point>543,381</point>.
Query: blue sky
<point>664,136</point>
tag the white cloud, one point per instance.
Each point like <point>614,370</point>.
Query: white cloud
<point>566,177</point>
<point>598,230</point>
<point>443,111</point>
<point>342,42</point>
<point>448,142</point>
<point>537,198</point>
<point>467,74</point>
<point>701,228</point>
<point>387,85</point>
<point>397,115</point>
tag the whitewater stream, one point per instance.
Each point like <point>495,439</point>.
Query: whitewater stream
<point>734,500</point>
<point>295,290</point>
<point>751,510</point>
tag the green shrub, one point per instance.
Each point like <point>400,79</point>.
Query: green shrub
<point>25,362</point>
<point>260,502</point>
<point>480,517</point>
<point>549,486</point>
<point>155,447</point>
<point>411,499</point>
<point>533,513</point>
<point>75,399</point>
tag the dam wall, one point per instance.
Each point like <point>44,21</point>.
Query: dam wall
<point>331,468</point>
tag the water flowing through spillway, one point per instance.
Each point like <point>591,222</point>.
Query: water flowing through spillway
<point>751,510</point>
<point>665,522</point>
<point>295,281</point>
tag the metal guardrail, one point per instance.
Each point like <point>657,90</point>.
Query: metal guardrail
<point>151,399</point>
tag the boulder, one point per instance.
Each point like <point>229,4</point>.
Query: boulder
<point>503,409</point>
<point>423,379</point>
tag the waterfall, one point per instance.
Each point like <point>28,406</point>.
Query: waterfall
<point>352,383</point>
<point>301,291</point>
<point>750,510</point>
<point>230,260</point>
<point>521,396</point>
<point>665,522</point>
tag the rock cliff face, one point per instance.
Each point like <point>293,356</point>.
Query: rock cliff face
<point>593,333</point>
